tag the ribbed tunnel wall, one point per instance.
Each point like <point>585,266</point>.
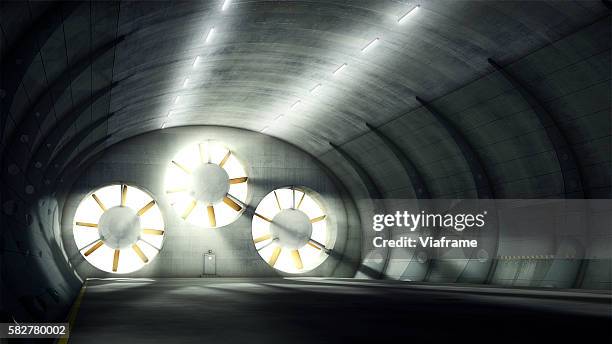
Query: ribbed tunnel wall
<point>537,128</point>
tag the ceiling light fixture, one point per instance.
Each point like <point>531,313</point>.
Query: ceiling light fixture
<point>314,89</point>
<point>225,5</point>
<point>340,68</point>
<point>405,16</point>
<point>209,34</point>
<point>369,45</point>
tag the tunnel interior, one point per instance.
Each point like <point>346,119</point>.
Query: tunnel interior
<point>245,147</point>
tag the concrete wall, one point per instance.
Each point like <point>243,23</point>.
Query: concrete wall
<point>270,164</point>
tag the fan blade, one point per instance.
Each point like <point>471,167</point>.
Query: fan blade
<point>277,201</point>
<point>116,260</point>
<point>232,204</point>
<point>123,194</point>
<point>262,238</point>
<point>301,200</point>
<point>151,231</point>
<point>238,180</point>
<point>185,169</point>
<point>87,224</point>
<point>93,248</point>
<point>212,220</point>
<point>203,158</point>
<point>311,244</point>
<point>263,217</point>
<point>145,208</point>
<point>176,190</point>
<point>297,260</point>
<point>224,160</point>
<point>189,209</point>
<point>317,219</point>
<point>140,253</point>
<point>275,254</point>
<point>95,197</point>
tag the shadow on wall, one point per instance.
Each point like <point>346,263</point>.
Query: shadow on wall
<point>37,282</point>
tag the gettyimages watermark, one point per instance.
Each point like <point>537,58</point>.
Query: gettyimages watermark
<point>466,228</point>
<point>413,221</point>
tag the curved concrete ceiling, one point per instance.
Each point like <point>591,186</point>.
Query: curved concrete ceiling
<point>263,57</point>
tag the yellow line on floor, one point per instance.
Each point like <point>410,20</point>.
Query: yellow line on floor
<point>74,310</point>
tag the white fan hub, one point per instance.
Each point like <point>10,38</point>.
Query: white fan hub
<point>210,183</point>
<point>292,227</point>
<point>119,227</point>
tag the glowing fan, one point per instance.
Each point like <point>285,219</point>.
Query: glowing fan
<point>118,228</point>
<point>207,185</point>
<point>290,230</point>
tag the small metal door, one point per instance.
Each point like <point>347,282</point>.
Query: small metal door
<point>210,264</point>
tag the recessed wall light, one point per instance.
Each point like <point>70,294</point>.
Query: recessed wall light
<point>369,45</point>
<point>405,16</point>
<point>209,34</point>
<point>340,68</point>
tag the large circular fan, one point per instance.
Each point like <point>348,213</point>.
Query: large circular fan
<point>118,228</point>
<point>207,185</point>
<point>290,230</point>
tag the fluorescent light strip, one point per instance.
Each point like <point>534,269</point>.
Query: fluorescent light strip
<point>225,5</point>
<point>209,34</point>
<point>314,89</point>
<point>340,69</point>
<point>185,82</point>
<point>405,16</point>
<point>196,60</point>
<point>264,129</point>
<point>371,44</point>
<point>163,125</point>
<point>176,100</point>
<point>296,104</point>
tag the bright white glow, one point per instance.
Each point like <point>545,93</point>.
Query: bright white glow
<point>209,34</point>
<point>278,117</point>
<point>225,5</point>
<point>405,16</point>
<point>369,45</point>
<point>163,125</point>
<point>102,258</point>
<point>176,100</point>
<point>296,104</point>
<point>196,60</point>
<point>314,89</point>
<point>340,69</point>
<point>186,82</point>
<point>179,184</point>
<point>264,129</point>
<point>321,230</point>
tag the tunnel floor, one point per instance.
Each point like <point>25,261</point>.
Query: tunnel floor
<point>308,310</point>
